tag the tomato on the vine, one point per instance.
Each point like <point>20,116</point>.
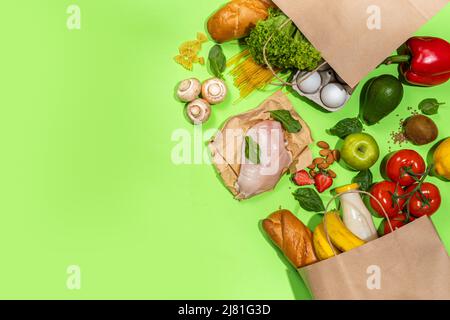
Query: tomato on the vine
<point>405,167</point>
<point>424,202</point>
<point>397,222</point>
<point>391,197</point>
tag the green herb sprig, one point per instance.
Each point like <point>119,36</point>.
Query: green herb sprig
<point>288,122</point>
<point>346,127</point>
<point>217,61</point>
<point>364,179</point>
<point>309,200</point>
<point>252,150</point>
<point>430,106</point>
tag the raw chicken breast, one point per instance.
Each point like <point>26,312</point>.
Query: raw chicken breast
<point>274,160</point>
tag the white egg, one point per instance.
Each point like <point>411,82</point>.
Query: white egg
<point>333,95</point>
<point>311,84</point>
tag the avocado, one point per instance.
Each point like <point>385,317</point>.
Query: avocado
<point>380,96</point>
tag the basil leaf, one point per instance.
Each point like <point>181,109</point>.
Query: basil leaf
<point>285,118</point>
<point>430,106</point>
<point>346,127</point>
<point>364,179</point>
<point>217,61</point>
<point>252,150</point>
<point>309,200</point>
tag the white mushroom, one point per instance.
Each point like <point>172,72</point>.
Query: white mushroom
<point>198,111</point>
<point>189,90</point>
<point>214,91</point>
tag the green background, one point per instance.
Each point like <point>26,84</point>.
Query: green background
<point>86,176</point>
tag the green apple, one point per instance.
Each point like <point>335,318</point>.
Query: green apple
<point>360,151</point>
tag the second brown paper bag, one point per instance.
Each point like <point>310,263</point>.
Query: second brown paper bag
<point>409,264</point>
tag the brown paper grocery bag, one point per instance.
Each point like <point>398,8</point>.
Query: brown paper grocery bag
<point>355,36</point>
<point>226,155</point>
<point>408,264</point>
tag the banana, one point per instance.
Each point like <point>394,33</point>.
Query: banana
<point>339,234</point>
<point>323,249</point>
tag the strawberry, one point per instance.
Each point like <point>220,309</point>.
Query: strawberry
<point>302,178</point>
<point>323,182</point>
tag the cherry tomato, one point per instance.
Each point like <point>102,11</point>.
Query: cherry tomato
<point>387,192</point>
<point>424,202</point>
<point>397,222</point>
<point>403,161</point>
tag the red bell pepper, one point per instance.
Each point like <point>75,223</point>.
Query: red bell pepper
<point>424,61</point>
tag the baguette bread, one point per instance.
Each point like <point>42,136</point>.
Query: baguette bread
<point>292,237</point>
<point>236,19</point>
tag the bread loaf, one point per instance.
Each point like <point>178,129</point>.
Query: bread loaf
<point>292,237</point>
<point>236,19</point>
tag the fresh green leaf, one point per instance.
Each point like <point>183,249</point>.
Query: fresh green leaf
<point>252,150</point>
<point>346,127</point>
<point>217,61</point>
<point>285,118</point>
<point>364,179</point>
<point>309,200</point>
<point>287,48</point>
<point>430,106</point>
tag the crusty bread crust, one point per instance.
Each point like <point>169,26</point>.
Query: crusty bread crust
<point>292,237</point>
<point>236,19</point>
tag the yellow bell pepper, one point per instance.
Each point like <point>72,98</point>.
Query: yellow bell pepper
<point>442,159</point>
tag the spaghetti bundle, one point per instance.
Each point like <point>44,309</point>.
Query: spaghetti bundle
<point>248,75</point>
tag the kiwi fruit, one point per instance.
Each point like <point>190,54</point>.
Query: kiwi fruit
<point>420,130</point>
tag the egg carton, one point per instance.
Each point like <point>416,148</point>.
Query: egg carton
<point>335,96</point>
